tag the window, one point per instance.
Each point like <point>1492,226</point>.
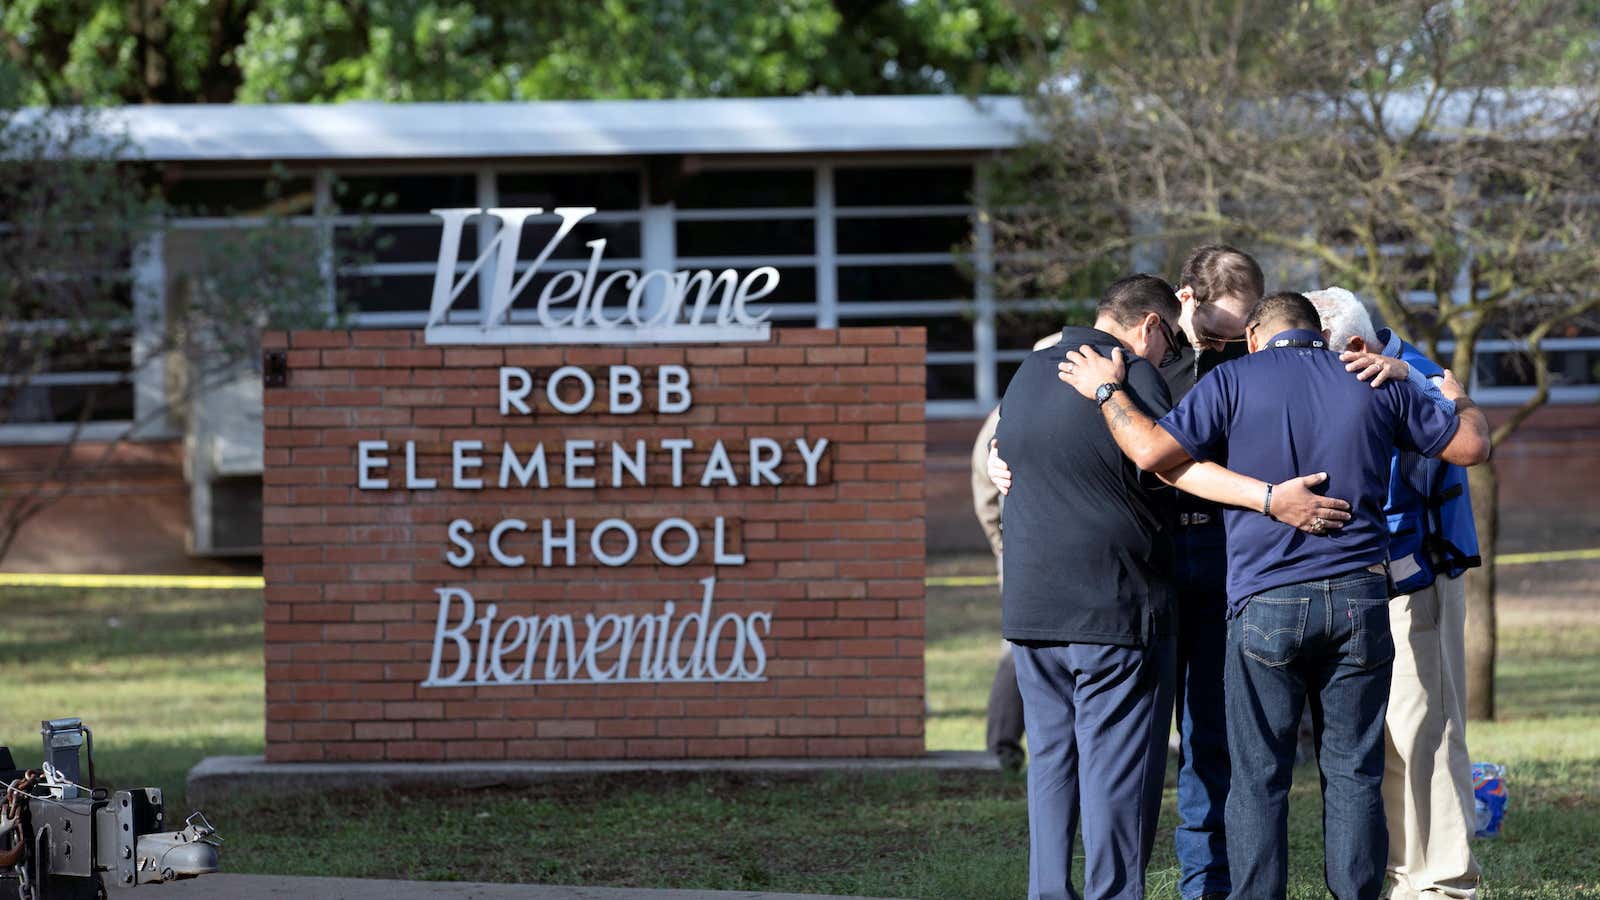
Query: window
<point>747,189</point>
<point>903,236</point>
<point>194,197</point>
<point>385,227</point>
<point>855,244</point>
<point>80,377</point>
<point>903,185</point>
<point>67,340</point>
<point>758,237</point>
<point>744,218</point>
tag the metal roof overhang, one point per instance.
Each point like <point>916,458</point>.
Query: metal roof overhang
<point>382,131</point>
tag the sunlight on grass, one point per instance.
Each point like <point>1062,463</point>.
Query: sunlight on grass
<point>166,678</point>
<point>162,678</point>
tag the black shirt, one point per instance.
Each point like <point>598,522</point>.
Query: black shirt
<point>1181,377</point>
<point>1087,556</point>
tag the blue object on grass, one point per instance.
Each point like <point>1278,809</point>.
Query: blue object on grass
<point>1489,797</point>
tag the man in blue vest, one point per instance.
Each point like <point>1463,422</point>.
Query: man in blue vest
<point>1308,615</point>
<point>1427,781</point>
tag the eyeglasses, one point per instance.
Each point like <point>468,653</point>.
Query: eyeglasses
<point>1173,354</point>
<point>1213,339</point>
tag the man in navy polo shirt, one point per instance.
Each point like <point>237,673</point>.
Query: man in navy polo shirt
<point>1427,783</point>
<point>1308,614</point>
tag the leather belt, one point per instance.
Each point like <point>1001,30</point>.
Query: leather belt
<point>1198,518</point>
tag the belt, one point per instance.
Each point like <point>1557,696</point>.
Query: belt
<point>1199,518</point>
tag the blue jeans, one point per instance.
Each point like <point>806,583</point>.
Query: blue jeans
<point>1326,642</point>
<point>1203,768</point>
<point>1097,719</point>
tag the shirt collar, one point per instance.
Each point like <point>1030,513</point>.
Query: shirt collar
<point>1074,336</point>
<point>1391,343</point>
<point>1297,334</point>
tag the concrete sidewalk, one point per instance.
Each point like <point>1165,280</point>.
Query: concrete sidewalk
<point>260,887</point>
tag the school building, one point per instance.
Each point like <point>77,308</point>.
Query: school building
<point>872,210</point>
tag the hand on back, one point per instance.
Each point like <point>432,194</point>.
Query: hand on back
<point>1374,366</point>
<point>999,472</point>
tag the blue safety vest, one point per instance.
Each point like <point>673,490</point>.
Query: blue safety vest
<point>1431,529</point>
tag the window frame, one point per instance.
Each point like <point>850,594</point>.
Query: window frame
<point>143,379</point>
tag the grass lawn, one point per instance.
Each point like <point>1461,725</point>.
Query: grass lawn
<point>165,678</point>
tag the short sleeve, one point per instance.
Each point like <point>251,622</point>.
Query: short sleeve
<point>1200,422</point>
<point>1430,387</point>
<point>1427,421</point>
<point>1016,382</point>
<point>1149,388</point>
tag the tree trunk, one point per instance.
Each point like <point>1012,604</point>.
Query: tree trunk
<point>1481,593</point>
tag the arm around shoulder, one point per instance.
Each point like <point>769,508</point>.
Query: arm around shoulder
<point>1472,444</point>
<point>1144,442</point>
<point>1133,420</point>
<point>1134,429</point>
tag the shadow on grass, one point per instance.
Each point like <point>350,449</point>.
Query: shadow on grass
<point>1546,672</point>
<point>958,713</point>
<point>962,613</point>
<point>918,834</point>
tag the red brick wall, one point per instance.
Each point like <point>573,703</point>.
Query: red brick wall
<point>351,574</point>
<point>128,512</point>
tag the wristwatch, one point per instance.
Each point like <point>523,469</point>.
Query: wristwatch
<point>1104,392</point>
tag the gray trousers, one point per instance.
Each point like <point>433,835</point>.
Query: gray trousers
<point>1097,719</point>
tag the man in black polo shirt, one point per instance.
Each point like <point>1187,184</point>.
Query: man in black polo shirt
<point>1087,602</point>
<point>1308,616</point>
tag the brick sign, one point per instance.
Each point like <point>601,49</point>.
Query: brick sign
<point>640,552</point>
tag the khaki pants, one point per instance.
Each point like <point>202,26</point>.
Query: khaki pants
<point>1427,781</point>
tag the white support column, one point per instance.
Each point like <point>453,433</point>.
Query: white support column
<point>985,382</point>
<point>826,250</point>
<point>323,207</point>
<point>658,238</point>
<point>488,197</point>
<point>149,326</point>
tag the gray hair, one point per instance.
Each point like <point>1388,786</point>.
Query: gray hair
<point>1344,317</point>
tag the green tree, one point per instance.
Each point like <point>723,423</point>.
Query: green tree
<point>1438,158</point>
<point>166,51</point>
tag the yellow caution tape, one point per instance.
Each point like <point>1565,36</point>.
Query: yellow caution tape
<point>961,581</point>
<point>1518,559</point>
<point>256,582</point>
<point>1504,559</point>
